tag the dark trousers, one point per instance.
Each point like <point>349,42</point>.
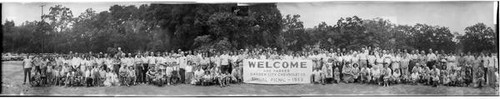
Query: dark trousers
<point>37,68</point>
<point>182,75</point>
<point>116,68</point>
<point>226,69</point>
<point>88,81</point>
<point>27,72</point>
<point>411,64</point>
<point>138,73</point>
<point>145,68</point>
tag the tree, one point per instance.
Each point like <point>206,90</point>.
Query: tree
<point>9,35</point>
<point>350,33</point>
<point>60,18</point>
<point>293,35</point>
<point>478,38</point>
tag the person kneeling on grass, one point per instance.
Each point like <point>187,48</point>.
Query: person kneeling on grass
<point>415,74</point>
<point>434,76</point>
<point>35,79</point>
<point>315,76</point>
<point>425,75</point>
<point>479,77</point>
<point>224,79</point>
<point>198,75</point>
<point>347,75</point>
<point>102,76</point>
<point>150,75</point>
<point>160,78</point>
<point>396,76</point>
<point>236,73</point>
<point>355,72</point>
<point>216,75</point>
<point>405,78</point>
<point>386,75</point>
<point>454,77</point>
<point>460,82</point>
<point>122,75</point>
<point>132,76</point>
<point>206,79</point>
<point>467,76</point>
<point>365,74</point>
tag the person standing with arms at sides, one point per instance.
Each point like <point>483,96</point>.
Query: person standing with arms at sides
<point>363,58</point>
<point>182,60</point>
<point>27,64</point>
<point>116,65</point>
<point>371,59</point>
<point>189,72</point>
<point>396,62</point>
<point>413,59</point>
<point>490,71</point>
<point>495,70</point>
<point>405,61</point>
<point>422,58</point>
<point>108,62</point>
<point>138,67</point>
<point>151,60</point>
<point>145,63</point>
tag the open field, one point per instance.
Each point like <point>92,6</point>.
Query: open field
<point>12,85</point>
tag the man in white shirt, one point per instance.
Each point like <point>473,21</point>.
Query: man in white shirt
<point>27,64</point>
<point>224,62</point>
<point>363,58</point>
<point>182,60</point>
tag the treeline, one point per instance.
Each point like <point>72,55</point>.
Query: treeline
<point>166,27</point>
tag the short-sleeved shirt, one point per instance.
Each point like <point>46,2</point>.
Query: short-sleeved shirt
<point>151,60</point>
<point>27,63</point>
<point>371,59</point>
<point>491,62</point>
<point>431,57</point>
<point>405,61</point>
<point>224,59</point>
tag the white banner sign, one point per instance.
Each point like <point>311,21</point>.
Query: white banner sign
<point>277,71</point>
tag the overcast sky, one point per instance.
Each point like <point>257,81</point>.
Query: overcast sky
<point>455,15</point>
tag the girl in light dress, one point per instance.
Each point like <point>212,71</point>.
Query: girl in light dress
<point>111,79</point>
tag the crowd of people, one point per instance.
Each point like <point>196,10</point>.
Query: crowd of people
<point>367,65</point>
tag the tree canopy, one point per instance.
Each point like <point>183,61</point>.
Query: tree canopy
<point>165,27</point>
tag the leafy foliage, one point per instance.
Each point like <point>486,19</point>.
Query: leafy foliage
<point>165,27</point>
